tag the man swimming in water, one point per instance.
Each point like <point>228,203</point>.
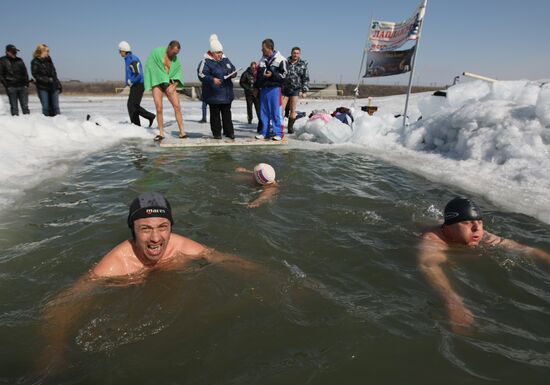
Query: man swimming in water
<point>153,247</point>
<point>153,244</point>
<point>463,226</point>
<point>264,176</point>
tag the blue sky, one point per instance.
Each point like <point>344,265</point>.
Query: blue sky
<point>503,39</point>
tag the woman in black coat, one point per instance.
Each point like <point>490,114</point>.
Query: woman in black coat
<point>47,83</point>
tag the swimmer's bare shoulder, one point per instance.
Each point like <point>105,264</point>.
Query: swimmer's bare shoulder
<point>121,260</point>
<point>432,248</point>
<point>434,235</point>
<point>187,246</point>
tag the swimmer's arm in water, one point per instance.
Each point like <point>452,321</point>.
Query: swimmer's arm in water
<point>495,240</point>
<point>59,316</point>
<point>431,258</point>
<point>268,193</point>
<point>243,170</point>
<point>229,261</point>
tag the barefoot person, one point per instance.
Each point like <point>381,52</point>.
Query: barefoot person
<point>463,226</point>
<point>153,247</point>
<point>264,176</point>
<point>134,80</point>
<point>163,74</point>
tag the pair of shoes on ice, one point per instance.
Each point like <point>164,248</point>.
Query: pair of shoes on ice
<point>202,121</point>
<point>276,138</point>
<point>158,138</point>
<point>230,136</point>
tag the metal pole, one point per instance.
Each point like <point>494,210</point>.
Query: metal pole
<point>422,13</point>
<point>356,90</point>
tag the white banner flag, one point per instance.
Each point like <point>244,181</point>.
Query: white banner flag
<point>388,36</point>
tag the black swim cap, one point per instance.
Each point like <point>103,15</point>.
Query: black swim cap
<point>460,210</point>
<point>149,205</point>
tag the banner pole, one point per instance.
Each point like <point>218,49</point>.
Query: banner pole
<point>413,65</point>
<point>356,90</point>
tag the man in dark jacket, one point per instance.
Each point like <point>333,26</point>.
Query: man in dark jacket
<point>134,79</point>
<point>270,77</point>
<point>296,85</point>
<point>14,77</point>
<point>250,92</point>
<point>216,72</point>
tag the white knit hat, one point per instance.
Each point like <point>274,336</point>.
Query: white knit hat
<point>264,173</point>
<point>124,46</point>
<point>215,45</point>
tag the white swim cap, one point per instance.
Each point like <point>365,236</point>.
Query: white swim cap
<point>264,173</point>
<point>124,46</point>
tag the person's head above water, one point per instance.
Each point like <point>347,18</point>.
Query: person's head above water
<point>264,174</point>
<point>463,222</point>
<point>150,219</point>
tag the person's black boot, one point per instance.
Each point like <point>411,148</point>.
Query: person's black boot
<point>291,125</point>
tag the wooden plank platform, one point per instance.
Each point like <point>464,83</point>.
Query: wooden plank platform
<point>207,141</point>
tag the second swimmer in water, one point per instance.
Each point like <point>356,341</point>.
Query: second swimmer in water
<point>264,177</point>
<point>463,226</point>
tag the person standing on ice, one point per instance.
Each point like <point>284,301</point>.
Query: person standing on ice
<point>250,92</point>
<point>163,75</point>
<point>272,71</point>
<point>134,79</point>
<point>463,226</point>
<point>15,78</point>
<point>216,72</point>
<point>47,83</point>
<point>296,85</point>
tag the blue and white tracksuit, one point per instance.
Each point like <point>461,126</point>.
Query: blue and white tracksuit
<point>271,97</point>
<point>134,70</point>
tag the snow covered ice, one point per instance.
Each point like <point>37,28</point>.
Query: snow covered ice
<point>491,139</point>
<point>488,139</point>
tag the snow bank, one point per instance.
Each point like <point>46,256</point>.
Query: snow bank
<point>490,139</point>
<point>35,148</point>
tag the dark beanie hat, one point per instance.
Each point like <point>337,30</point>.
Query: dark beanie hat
<point>149,205</point>
<point>460,210</point>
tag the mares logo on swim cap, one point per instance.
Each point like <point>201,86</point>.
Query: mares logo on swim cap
<point>460,210</point>
<point>149,205</point>
<point>155,211</point>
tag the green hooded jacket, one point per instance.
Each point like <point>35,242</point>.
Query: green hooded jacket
<point>155,73</point>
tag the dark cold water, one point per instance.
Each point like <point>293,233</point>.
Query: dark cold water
<point>338,297</point>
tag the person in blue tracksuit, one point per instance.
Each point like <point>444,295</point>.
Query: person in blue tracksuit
<point>272,71</point>
<point>216,72</point>
<point>134,79</point>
